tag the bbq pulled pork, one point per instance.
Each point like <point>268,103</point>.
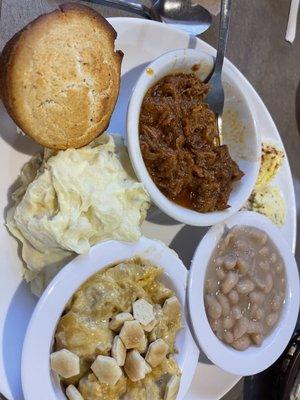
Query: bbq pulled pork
<point>177,132</point>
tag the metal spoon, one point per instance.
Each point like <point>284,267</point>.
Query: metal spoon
<point>215,98</point>
<point>192,18</point>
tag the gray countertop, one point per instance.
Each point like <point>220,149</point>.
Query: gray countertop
<point>257,47</point>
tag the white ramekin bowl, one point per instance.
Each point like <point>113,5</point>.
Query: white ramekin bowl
<point>37,379</point>
<point>239,133</point>
<point>254,359</point>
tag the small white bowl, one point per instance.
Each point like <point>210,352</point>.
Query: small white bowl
<point>239,133</point>
<point>254,359</point>
<point>37,380</point>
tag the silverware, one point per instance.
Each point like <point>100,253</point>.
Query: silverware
<point>215,97</point>
<point>192,18</point>
<point>135,8</point>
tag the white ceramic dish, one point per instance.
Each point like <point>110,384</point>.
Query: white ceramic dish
<point>39,336</point>
<point>254,359</point>
<point>239,133</point>
<point>141,42</point>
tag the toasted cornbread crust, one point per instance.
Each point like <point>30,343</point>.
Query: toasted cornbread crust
<point>60,77</point>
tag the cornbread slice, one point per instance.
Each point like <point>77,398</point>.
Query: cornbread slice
<point>60,77</point>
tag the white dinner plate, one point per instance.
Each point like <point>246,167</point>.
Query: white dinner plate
<point>141,41</point>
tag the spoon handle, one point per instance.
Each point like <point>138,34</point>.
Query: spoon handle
<point>223,35</point>
<point>124,6</point>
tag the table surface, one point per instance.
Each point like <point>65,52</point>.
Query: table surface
<point>256,46</point>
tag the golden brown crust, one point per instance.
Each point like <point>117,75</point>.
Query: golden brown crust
<point>80,8</point>
<point>60,76</point>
